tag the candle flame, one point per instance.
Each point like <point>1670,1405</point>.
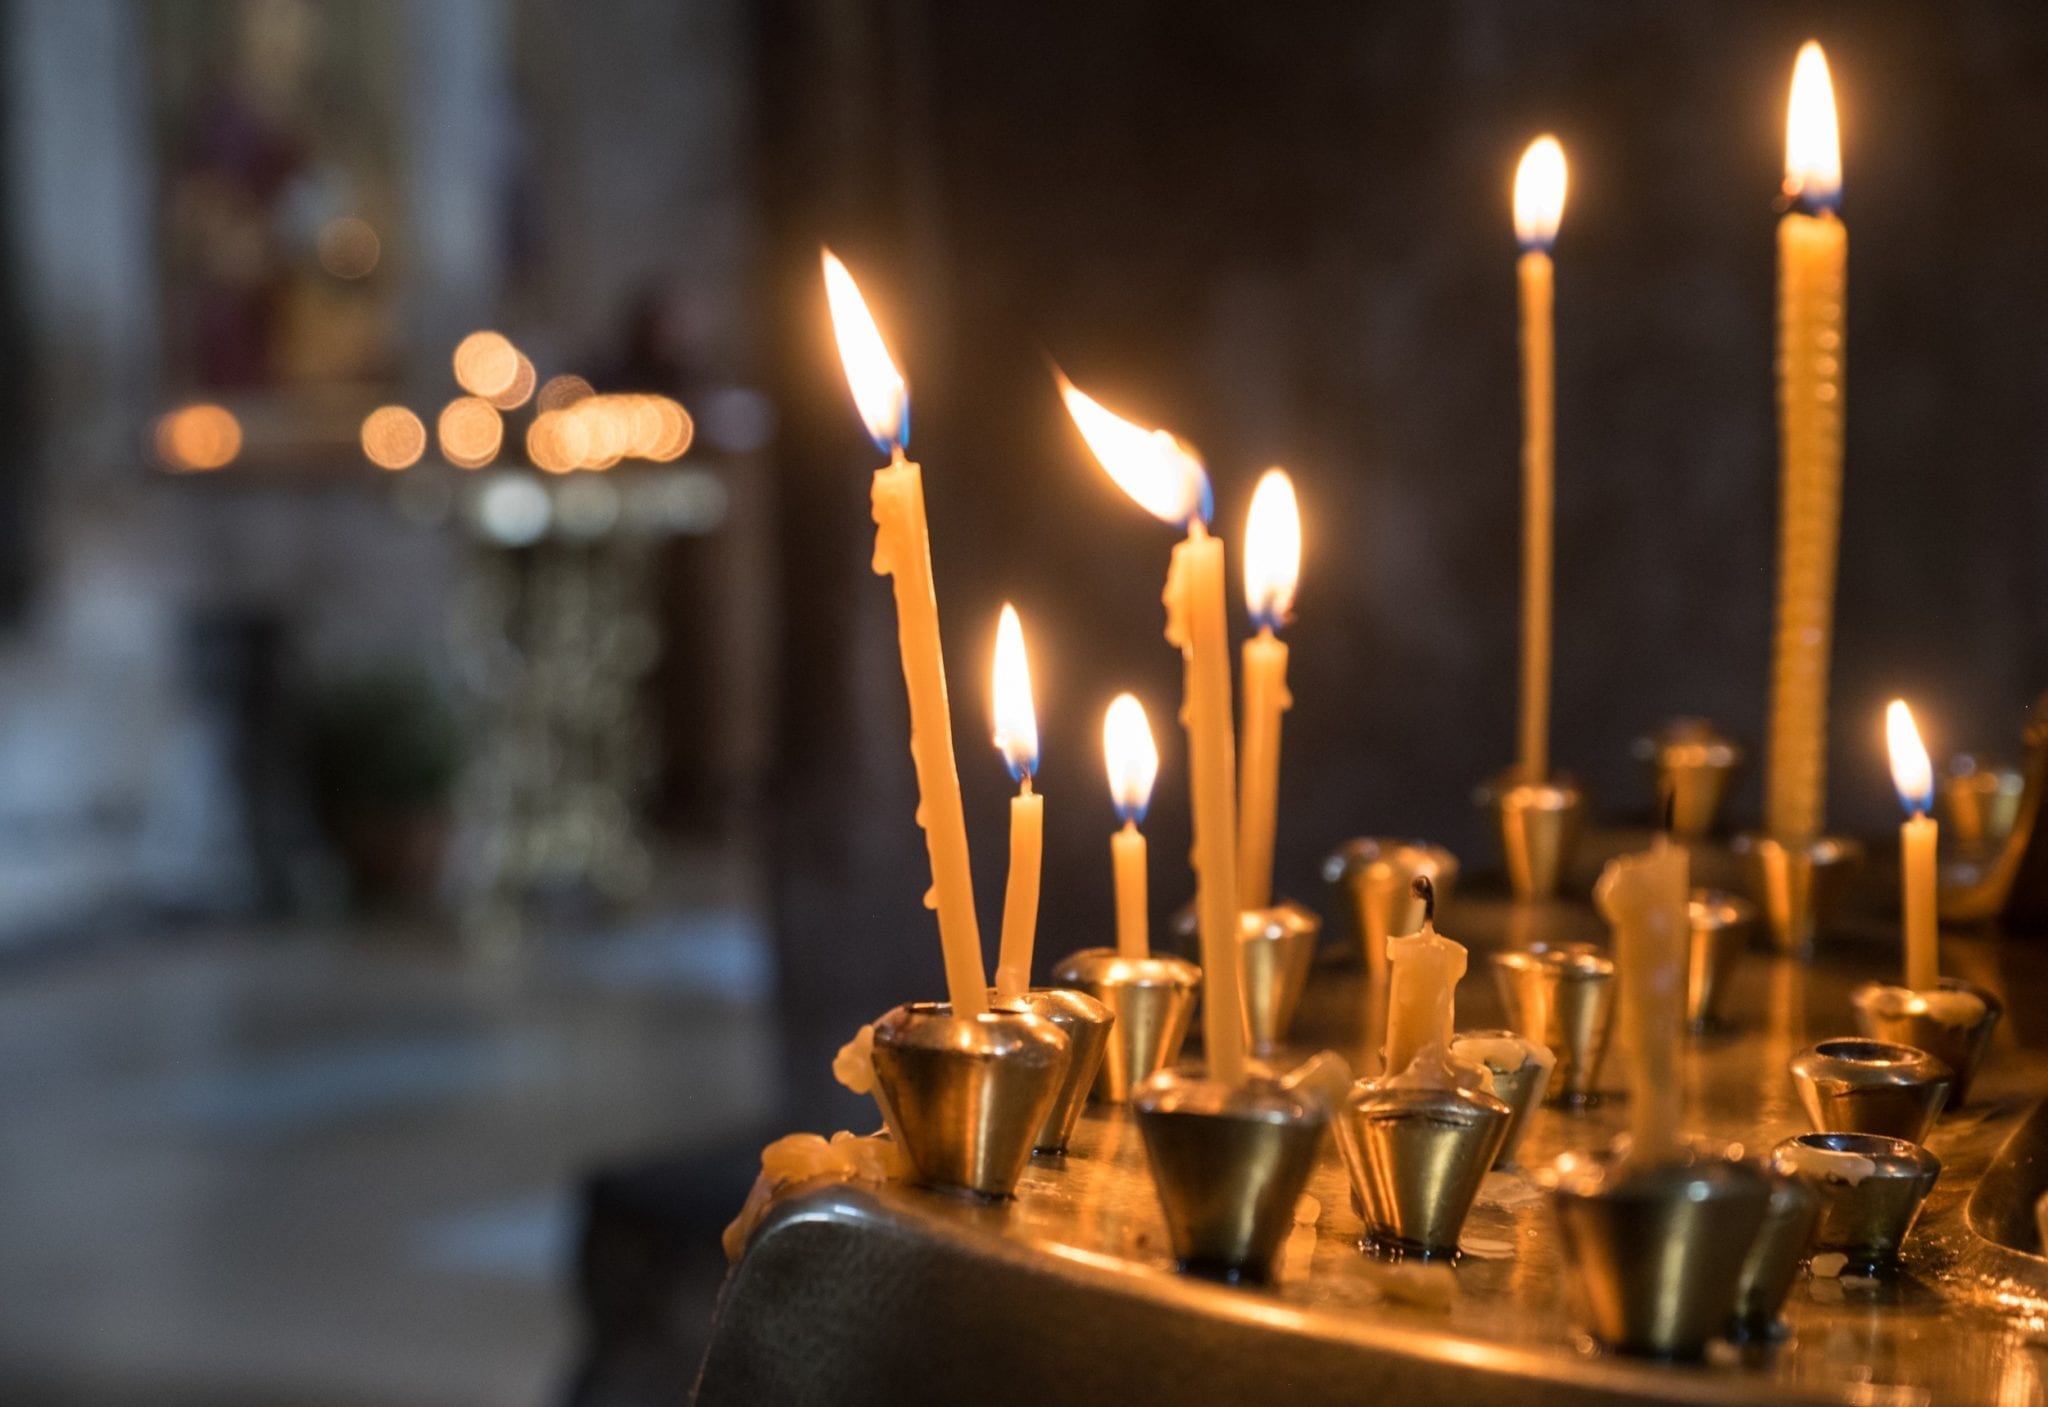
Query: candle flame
<point>1132,756</point>
<point>1813,137</point>
<point>1272,550</point>
<point>1912,773</point>
<point>1016,719</point>
<point>1539,193</point>
<point>1161,472</point>
<point>878,390</point>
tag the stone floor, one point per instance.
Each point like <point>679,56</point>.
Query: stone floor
<point>332,1170</point>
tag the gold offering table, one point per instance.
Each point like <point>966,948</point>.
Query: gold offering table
<point>1068,1295</point>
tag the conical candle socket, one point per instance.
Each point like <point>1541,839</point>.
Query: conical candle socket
<point>1721,925</point>
<point>1774,1260</point>
<point>1151,1000</point>
<point>1519,1070</point>
<point>1539,829</point>
<point>1953,1024</point>
<point>1980,801</point>
<point>1229,1165</point>
<point>1086,1023</point>
<point>967,1095</point>
<point>1871,1189</point>
<point>1416,1157</point>
<point>1849,1085</point>
<point>1657,1252</point>
<point>1276,948</point>
<point>1562,994</point>
<point>1798,886</point>
<point>1694,762</point>
<point>1374,878</point>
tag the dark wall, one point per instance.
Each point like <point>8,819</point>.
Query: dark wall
<point>1283,231</point>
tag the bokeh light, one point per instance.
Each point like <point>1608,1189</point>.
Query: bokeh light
<point>470,432</point>
<point>393,437</point>
<point>521,389</point>
<point>198,438</point>
<point>486,364</point>
<point>349,247</point>
<point>561,392</point>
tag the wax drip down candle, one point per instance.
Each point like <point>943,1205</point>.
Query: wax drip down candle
<point>1272,568</point>
<point>1645,897</point>
<point>1424,969</point>
<point>1133,762</point>
<point>1016,736</point>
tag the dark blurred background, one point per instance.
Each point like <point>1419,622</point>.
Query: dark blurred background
<point>388,852</point>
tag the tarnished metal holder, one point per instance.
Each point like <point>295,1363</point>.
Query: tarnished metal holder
<point>1721,927</point>
<point>1694,763</point>
<point>1520,1071</point>
<point>1539,829</point>
<point>1797,885</point>
<point>1774,1259</point>
<point>1849,1085</point>
<point>1151,1001</point>
<point>1276,948</point>
<point>1229,1165</point>
<point>1870,1189</point>
<point>1945,1023</point>
<point>2007,879</point>
<point>1563,995</point>
<point>1374,877</point>
<point>1416,1158</point>
<point>1086,1023</point>
<point>1658,1252</point>
<point>967,1095</point>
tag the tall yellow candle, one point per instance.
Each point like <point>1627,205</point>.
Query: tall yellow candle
<point>1423,969</point>
<point>1645,899</point>
<point>903,553</point>
<point>1167,479</point>
<point>1539,207</point>
<point>1913,775</point>
<point>1813,252</point>
<point>1272,567</point>
<point>1133,762</point>
<point>1016,737</point>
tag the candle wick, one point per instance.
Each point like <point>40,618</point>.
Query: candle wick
<point>1424,888</point>
<point>1024,789</point>
<point>896,456</point>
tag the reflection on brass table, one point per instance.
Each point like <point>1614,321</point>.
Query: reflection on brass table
<point>1067,1295</point>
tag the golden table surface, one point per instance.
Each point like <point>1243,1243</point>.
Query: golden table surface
<point>1068,1294</point>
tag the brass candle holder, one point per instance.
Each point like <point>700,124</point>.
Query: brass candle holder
<point>1953,1024</point>
<point>1721,928</point>
<point>1865,1086</point>
<point>1871,1189</point>
<point>1229,1164</point>
<point>1774,1260</point>
<point>1539,829</point>
<point>1980,800</point>
<point>1374,877</point>
<point>1150,1000</point>
<point>1798,885</point>
<point>966,1096</point>
<point>1276,948</point>
<point>1416,1157</point>
<point>1519,1070</point>
<point>1694,763</point>
<point>1658,1252</point>
<point>1564,995</point>
<point>1086,1023</point>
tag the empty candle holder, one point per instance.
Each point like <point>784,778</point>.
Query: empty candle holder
<point>1797,885</point>
<point>1851,1085</point>
<point>1229,1164</point>
<point>1276,948</point>
<point>1564,991</point>
<point>1539,829</point>
<point>1953,1023</point>
<point>1416,1157</point>
<point>1086,1023</point>
<point>1150,1000</point>
<point>1870,1187</point>
<point>1374,877</point>
<point>1980,800</point>
<point>1774,1259</point>
<point>1721,927</point>
<point>1519,1070</point>
<point>1694,762</point>
<point>966,1096</point>
<point>1658,1252</point>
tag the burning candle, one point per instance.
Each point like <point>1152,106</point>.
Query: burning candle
<point>1017,738</point>
<point>1645,898</point>
<point>1133,762</point>
<point>1166,478</point>
<point>1813,251</point>
<point>1423,971</point>
<point>1272,567</point>
<point>1539,207</point>
<point>903,553</point>
<point>1913,775</point>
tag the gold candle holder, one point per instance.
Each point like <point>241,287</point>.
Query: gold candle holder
<point>1539,829</point>
<point>1229,1163</point>
<point>1797,885</point>
<point>1151,1001</point>
<point>1871,1189</point>
<point>1519,1070</point>
<point>1374,877</point>
<point>1721,927</point>
<point>1086,1023</point>
<point>1774,1260</point>
<point>1562,994</point>
<point>1865,1086</point>
<point>1954,1024</point>
<point>1980,801</point>
<point>1416,1158</point>
<point>1694,763</point>
<point>1276,947</point>
<point>967,1095</point>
